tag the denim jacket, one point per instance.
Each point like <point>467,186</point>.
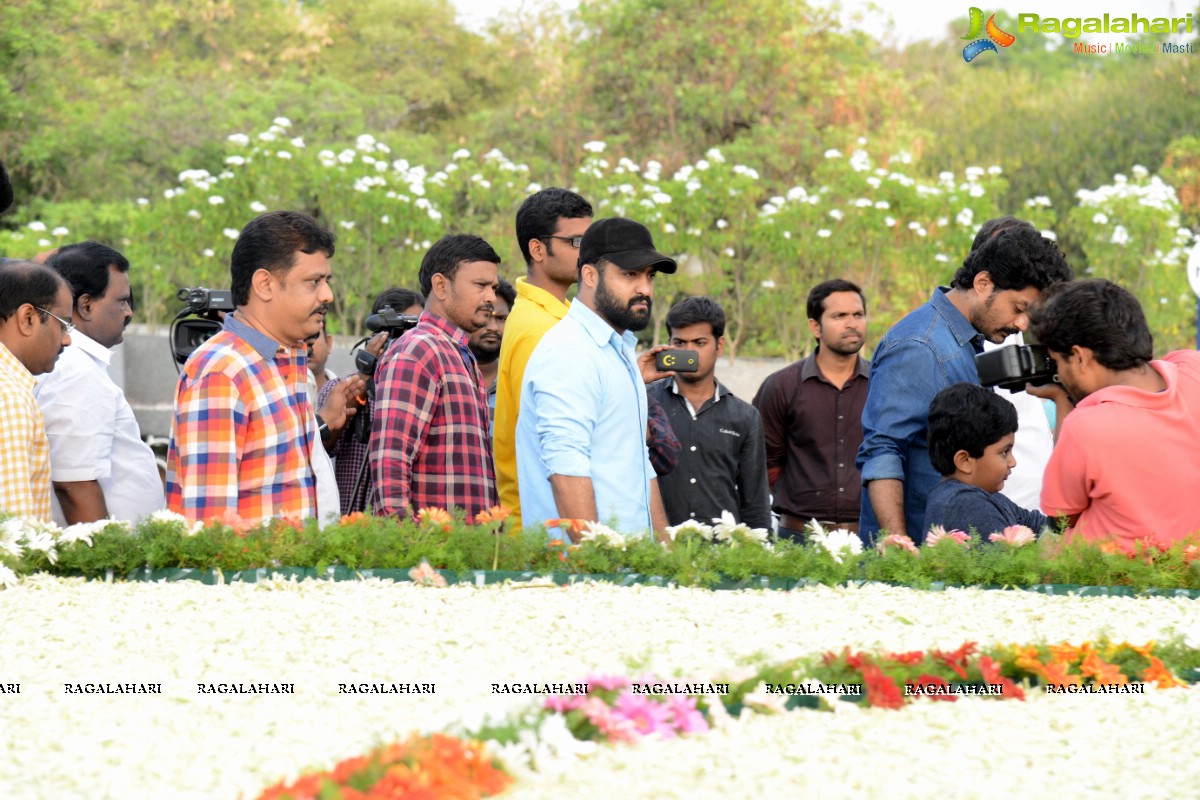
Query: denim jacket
<point>930,349</point>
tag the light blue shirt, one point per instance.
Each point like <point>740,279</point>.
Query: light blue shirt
<point>583,414</point>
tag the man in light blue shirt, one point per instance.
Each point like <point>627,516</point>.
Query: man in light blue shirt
<point>581,429</point>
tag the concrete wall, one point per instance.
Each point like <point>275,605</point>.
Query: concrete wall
<point>144,368</point>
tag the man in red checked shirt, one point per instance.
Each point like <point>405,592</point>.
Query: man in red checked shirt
<point>431,446</point>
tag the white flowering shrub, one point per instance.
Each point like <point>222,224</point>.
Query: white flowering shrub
<point>1130,232</point>
<point>865,214</point>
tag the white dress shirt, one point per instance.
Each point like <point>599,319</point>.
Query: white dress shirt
<point>94,435</point>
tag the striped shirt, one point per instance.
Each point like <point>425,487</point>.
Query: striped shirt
<point>242,432</point>
<point>24,450</point>
<point>430,445</point>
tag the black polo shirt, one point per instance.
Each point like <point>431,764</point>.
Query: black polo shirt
<point>722,464</point>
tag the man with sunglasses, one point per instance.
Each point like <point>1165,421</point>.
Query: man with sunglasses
<point>550,227</point>
<point>100,467</point>
<point>35,326</point>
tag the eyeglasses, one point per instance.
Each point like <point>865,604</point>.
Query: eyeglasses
<point>67,327</point>
<point>574,240</point>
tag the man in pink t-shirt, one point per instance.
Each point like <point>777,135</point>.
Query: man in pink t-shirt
<point>1125,466</point>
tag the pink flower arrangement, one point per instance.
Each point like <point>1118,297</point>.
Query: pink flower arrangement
<point>937,533</point>
<point>898,540</point>
<point>645,713</point>
<point>611,711</point>
<point>1014,536</point>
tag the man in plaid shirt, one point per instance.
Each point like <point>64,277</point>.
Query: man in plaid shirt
<point>243,431</point>
<point>431,445</point>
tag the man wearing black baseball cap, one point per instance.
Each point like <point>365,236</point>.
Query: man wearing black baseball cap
<point>581,429</point>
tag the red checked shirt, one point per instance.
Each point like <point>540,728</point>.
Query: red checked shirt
<point>242,433</point>
<point>431,445</point>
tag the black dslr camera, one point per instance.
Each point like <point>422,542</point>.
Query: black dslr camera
<point>205,307</point>
<point>1015,365</point>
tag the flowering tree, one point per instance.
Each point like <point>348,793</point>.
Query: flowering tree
<point>1130,232</point>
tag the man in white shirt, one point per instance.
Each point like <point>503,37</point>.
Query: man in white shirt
<point>99,466</point>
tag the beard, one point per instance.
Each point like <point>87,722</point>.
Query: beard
<point>983,321</point>
<point>622,315</point>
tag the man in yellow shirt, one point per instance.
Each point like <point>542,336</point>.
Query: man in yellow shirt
<point>550,225</point>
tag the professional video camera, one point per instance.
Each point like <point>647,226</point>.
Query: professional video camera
<point>394,324</point>
<point>205,306</point>
<point>1013,366</point>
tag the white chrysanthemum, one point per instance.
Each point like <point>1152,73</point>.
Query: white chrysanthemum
<point>284,154</point>
<point>824,233</point>
<point>142,201</point>
<point>59,231</point>
<point>1120,236</point>
<point>240,139</point>
<point>832,153</point>
<point>602,534</point>
<point>702,165</point>
<point>8,578</point>
<point>966,217</point>
<point>838,542</point>
<point>1100,218</point>
<point>729,251</point>
<point>258,207</point>
<point>216,200</point>
<point>668,228</point>
<point>347,224</point>
<point>208,252</point>
<point>836,213</point>
<point>193,213</point>
<point>235,161</point>
<point>594,146</point>
<point>690,526</point>
<point>231,233</point>
<point>37,226</point>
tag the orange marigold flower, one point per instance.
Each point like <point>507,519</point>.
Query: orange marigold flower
<point>575,526</point>
<point>435,518</point>
<point>1101,671</point>
<point>1064,653</point>
<point>1158,674</point>
<point>1029,659</point>
<point>1056,674</point>
<point>1145,651</point>
<point>353,518</point>
<point>493,514</point>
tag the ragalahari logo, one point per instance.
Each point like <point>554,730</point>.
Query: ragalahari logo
<point>995,36</point>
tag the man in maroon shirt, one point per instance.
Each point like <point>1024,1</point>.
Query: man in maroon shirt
<point>812,417</point>
<point>431,445</point>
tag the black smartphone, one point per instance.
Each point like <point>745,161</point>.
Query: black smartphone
<point>677,361</point>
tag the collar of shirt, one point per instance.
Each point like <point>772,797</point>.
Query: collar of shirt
<point>719,391</point>
<point>90,346</point>
<point>445,327</point>
<point>600,331</point>
<point>536,294</point>
<point>264,345</point>
<point>810,369</point>
<point>12,364</point>
<point>964,332</point>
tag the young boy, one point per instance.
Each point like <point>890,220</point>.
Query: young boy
<point>971,432</point>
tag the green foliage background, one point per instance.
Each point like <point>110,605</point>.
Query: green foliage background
<point>103,102</point>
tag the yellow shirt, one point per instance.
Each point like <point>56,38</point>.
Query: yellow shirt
<point>535,312</point>
<point>25,451</point>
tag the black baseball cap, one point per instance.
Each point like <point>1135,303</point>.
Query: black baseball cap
<point>623,242</point>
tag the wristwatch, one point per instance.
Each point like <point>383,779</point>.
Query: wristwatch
<point>323,429</point>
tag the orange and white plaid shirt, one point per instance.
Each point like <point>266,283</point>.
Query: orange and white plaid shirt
<point>24,449</point>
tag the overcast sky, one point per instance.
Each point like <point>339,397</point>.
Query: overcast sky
<point>912,19</point>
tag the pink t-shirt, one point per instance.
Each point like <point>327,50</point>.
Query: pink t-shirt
<point>1128,461</point>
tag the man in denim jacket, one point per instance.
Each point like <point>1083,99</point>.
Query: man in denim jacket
<point>934,347</point>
